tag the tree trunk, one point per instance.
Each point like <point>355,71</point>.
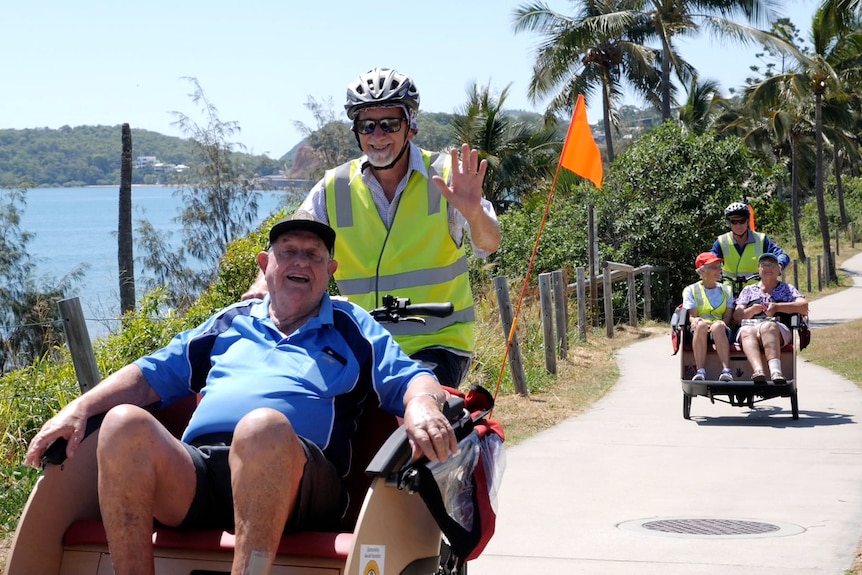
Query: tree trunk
<point>794,199</point>
<point>125,255</point>
<point>665,81</point>
<point>831,276</point>
<point>606,115</point>
<point>839,191</point>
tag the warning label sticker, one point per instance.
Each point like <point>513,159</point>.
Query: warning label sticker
<point>372,559</point>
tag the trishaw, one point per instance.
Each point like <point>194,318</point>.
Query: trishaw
<point>388,528</point>
<point>742,391</point>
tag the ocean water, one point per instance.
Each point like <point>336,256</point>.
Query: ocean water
<point>74,226</point>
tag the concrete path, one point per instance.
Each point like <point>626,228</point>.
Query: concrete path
<point>779,496</point>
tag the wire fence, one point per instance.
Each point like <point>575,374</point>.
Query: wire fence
<point>58,323</point>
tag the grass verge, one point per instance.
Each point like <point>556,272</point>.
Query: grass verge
<point>837,349</point>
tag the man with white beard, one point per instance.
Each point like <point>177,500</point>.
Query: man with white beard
<point>400,214</point>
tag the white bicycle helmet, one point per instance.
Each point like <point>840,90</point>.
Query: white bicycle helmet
<point>736,209</point>
<point>381,87</point>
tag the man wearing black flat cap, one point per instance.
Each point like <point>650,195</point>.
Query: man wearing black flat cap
<point>268,444</point>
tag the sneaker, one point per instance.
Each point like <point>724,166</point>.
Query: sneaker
<point>700,375</point>
<point>725,375</point>
<point>778,378</point>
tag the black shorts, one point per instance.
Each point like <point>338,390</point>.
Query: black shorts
<point>320,503</point>
<point>450,368</point>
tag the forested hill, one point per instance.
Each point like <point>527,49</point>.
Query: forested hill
<point>90,155</point>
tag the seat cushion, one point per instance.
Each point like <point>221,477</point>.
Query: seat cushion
<point>307,544</point>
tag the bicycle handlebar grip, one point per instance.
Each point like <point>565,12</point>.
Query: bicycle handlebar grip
<point>431,309</point>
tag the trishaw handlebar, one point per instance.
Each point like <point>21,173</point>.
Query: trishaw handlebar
<point>397,309</point>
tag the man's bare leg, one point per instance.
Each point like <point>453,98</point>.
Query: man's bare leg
<point>144,472</point>
<point>266,462</point>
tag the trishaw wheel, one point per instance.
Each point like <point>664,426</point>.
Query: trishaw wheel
<point>686,406</point>
<point>794,403</point>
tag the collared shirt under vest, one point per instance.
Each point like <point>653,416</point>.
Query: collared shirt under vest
<point>745,263</point>
<point>705,308</point>
<point>416,258</point>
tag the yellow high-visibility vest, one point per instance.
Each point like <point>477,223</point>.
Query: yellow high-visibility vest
<point>704,306</point>
<point>416,258</point>
<point>746,263</point>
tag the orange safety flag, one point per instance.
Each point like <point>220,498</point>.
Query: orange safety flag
<point>580,153</point>
<point>751,217</point>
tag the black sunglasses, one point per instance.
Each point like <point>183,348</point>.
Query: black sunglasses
<point>388,125</point>
<point>736,222</point>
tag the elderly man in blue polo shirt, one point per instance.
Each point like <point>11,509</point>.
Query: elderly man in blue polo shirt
<point>265,450</point>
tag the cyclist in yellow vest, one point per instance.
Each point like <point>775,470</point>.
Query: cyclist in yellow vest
<point>710,309</point>
<point>741,247</point>
<point>400,214</point>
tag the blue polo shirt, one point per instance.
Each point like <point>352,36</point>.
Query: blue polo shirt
<point>239,362</point>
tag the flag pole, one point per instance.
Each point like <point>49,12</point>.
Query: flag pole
<point>570,159</point>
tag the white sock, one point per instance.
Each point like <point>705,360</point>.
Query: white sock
<point>774,365</point>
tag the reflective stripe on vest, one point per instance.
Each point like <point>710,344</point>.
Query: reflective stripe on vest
<point>736,264</point>
<point>704,307</point>
<point>416,258</point>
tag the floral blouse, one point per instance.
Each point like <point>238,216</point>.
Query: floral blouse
<point>783,292</point>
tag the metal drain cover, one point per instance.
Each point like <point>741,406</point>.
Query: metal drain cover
<point>708,528</point>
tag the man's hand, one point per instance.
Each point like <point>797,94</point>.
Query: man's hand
<point>465,194</point>
<point>429,431</point>
<point>256,290</point>
<point>126,385</point>
<point>69,424</point>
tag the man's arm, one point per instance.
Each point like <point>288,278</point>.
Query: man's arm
<point>126,386</point>
<point>484,230</point>
<point>771,247</point>
<point>258,288</point>
<point>465,194</point>
<point>716,248</point>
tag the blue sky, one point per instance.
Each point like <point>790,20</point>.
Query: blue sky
<point>106,62</point>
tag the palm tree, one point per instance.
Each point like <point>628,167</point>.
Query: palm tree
<point>670,19</point>
<point>837,56</point>
<point>773,118</point>
<point>846,145</point>
<point>841,12</point>
<point>519,155</point>
<point>696,115</point>
<point>589,51</point>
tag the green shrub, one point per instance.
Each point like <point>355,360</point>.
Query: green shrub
<point>663,203</point>
<point>563,245</point>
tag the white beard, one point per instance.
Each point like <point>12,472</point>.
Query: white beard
<point>380,158</point>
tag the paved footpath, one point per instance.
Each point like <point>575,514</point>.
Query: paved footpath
<point>579,498</point>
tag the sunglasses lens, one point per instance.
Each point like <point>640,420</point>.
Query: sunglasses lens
<point>737,222</point>
<point>390,125</point>
<point>365,126</point>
